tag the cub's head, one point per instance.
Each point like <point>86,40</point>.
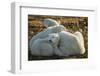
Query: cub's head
<point>53,38</point>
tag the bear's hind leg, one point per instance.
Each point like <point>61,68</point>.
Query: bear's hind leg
<point>80,39</point>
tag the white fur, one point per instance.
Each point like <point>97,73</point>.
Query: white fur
<point>80,41</point>
<point>50,22</point>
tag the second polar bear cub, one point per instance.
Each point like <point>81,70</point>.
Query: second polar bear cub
<point>70,44</point>
<point>45,46</point>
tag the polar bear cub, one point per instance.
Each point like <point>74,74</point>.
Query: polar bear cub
<point>69,44</point>
<point>45,46</point>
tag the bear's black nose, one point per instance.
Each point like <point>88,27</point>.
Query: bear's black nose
<point>50,41</point>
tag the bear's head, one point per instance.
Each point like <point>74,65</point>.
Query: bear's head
<point>54,38</point>
<point>50,22</point>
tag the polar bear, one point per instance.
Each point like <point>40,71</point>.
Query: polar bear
<point>46,32</point>
<point>70,44</point>
<point>45,46</point>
